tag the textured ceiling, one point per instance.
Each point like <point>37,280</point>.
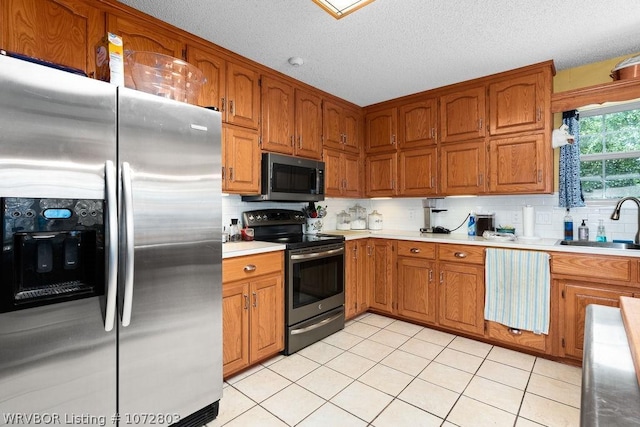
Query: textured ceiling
<point>392,48</point>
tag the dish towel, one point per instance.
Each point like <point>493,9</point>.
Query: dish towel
<point>518,287</point>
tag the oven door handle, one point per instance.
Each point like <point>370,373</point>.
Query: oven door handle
<point>317,254</point>
<point>315,325</point>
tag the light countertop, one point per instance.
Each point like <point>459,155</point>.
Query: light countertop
<point>233,249</point>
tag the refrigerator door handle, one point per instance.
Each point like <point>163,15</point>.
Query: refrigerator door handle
<point>112,244</point>
<point>127,211</point>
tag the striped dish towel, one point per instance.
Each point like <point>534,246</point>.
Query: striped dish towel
<point>518,287</point>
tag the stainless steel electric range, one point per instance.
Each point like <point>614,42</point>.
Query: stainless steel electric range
<point>314,275</point>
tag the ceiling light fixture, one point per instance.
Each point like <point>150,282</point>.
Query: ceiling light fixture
<point>341,8</point>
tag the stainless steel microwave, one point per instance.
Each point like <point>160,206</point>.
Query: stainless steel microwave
<point>290,179</point>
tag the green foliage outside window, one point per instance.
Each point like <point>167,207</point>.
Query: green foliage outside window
<point>610,155</point>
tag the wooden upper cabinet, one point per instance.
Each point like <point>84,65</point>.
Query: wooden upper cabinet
<point>381,130</point>
<point>343,174</point>
<point>61,31</point>
<point>214,69</point>
<point>517,104</point>
<point>462,115</point>
<point>242,105</point>
<point>240,161</point>
<point>278,112</point>
<point>417,172</point>
<point>341,127</point>
<point>140,35</point>
<point>308,120</point>
<point>462,168</point>
<point>381,174</point>
<point>417,124</point>
<point>519,165</point>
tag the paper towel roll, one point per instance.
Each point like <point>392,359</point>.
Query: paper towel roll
<point>528,221</point>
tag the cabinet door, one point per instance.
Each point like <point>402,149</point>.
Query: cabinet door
<point>462,115</point>
<point>308,119</point>
<point>243,96</point>
<point>62,31</point>
<point>416,289</point>
<point>517,104</point>
<point>333,178</point>
<point>381,174</point>
<point>332,125</point>
<point>575,298</point>
<point>519,164</point>
<point>352,174</point>
<point>351,279</point>
<point>417,124</point>
<point>352,129</point>
<point>241,167</point>
<point>417,172</point>
<point>363,276</point>
<point>235,327</point>
<point>267,317</point>
<point>461,297</point>
<point>380,127</point>
<point>462,168</point>
<point>277,116</point>
<point>381,279</point>
<point>214,69</point>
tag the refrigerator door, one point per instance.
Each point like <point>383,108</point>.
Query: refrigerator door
<point>170,350</point>
<point>57,130</point>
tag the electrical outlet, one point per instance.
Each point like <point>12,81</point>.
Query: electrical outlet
<point>516,217</point>
<point>412,214</point>
<point>543,218</point>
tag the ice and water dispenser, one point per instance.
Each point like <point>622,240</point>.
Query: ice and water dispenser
<point>53,251</point>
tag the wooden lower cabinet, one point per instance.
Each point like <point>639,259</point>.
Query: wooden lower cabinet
<point>356,274</point>
<point>416,289</point>
<point>461,297</point>
<point>252,310</point>
<point>575,296</point>
<point>381,274</point>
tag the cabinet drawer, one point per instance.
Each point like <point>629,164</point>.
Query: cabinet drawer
<point>592,266</point>
<point>517,337</point>
<point>417,249</point>
<point>246,267</point>
<point>461,253</point>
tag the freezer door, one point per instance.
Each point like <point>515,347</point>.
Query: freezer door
<point>57,130</point>
<point>170,351</point>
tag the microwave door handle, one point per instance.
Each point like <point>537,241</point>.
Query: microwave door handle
<point>127,213</point>
<point>111,254</point>
<point>317,254</point>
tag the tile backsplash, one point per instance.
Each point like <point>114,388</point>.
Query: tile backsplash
<point>407,213</point>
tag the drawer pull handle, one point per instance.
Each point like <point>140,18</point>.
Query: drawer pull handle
<point>460,255</point>
<point>414,250</point>
<point>249,267</point>
<point>515,331</point>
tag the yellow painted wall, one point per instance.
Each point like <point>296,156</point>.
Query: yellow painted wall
<point>577,77</point>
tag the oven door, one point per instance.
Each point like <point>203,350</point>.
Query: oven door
<point>315,281</point>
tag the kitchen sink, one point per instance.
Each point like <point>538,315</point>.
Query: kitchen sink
<point>612,245</point>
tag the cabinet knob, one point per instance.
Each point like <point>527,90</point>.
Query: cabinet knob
<point>255,299</point>
<point>414,250</point>
<point>249,268</point>
<point>233,110</point>
<point>246,301</point>
<point>460,255</point>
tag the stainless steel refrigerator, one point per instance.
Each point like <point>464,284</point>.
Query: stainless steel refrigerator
<point>110,278</point>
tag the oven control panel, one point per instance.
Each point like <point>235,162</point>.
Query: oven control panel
<point>272,217</point>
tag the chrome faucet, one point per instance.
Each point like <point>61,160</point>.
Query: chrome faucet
<point>616,214</point>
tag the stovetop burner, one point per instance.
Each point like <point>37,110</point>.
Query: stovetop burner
<point>285,226</point>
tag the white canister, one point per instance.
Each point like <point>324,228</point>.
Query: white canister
<point>375,220</point>
<point>313,226</point>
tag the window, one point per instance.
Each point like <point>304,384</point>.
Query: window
<point>610,152</point>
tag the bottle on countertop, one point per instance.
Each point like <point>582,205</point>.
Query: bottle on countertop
<point>225,235</point>
<point>471,225</point>
<point>601,236</point>
<point>583,231</point>
<point>234,231</point>
<point>568,226</point>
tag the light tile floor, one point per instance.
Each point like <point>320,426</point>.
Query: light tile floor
<point>384,372</point>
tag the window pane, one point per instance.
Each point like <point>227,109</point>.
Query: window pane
<point>591,144</point>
